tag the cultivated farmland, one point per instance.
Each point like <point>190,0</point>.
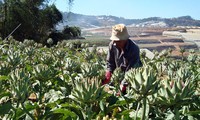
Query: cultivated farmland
<point>64,82</point>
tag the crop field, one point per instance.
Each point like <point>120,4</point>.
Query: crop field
<point>152,39</point>
<point>93,40</point>
<point>63,82</point>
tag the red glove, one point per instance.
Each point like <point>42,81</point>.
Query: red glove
<point>123,90</point>
<point>108,77</point>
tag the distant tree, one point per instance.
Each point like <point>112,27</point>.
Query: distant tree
<point>182,21</point>
<point>37,18</point>
<point>185,18</point>
<point>71,32</point>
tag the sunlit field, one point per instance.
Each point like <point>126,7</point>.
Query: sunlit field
<point>64,82</point>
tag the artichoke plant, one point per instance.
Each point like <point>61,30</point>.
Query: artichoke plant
<point>143,82</point>
<point>88,94</point>
<point>64,82</point>
<point>176,93</point>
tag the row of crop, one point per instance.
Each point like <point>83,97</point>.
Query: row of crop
<point>64,82</point>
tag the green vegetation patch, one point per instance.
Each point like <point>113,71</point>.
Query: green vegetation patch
<point>64,82</point>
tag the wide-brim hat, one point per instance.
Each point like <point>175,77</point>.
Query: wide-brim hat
<point>119,32</point>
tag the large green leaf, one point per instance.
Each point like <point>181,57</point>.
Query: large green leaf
<point>5,108</point>
<point>65,114</point>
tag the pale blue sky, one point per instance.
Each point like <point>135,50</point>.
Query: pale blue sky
<point>134,9</point>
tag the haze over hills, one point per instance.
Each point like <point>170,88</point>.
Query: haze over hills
<point>91,21</point>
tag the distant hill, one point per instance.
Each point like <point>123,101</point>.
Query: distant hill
<point>91,21</point>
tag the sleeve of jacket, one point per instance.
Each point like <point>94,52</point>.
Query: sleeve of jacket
<point>110,59</point>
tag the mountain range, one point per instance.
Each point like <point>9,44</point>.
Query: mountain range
<point>91,21</point>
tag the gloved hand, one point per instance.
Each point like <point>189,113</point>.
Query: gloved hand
<point>107,77</point>
<point>122,90</point>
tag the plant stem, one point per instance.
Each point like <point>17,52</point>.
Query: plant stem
<point>177,115</point>
<point>137,111</point>
<point>40,93</point>
<point>144,100</point>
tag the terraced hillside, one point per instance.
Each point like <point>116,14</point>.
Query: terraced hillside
<point>152,38</point>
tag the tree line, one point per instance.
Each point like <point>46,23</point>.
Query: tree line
<point>33,19</point>
<point>173,22</point>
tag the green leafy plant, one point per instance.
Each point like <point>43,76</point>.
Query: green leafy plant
<point>64,82</point>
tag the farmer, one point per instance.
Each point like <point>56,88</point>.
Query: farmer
<point>123,53</point>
